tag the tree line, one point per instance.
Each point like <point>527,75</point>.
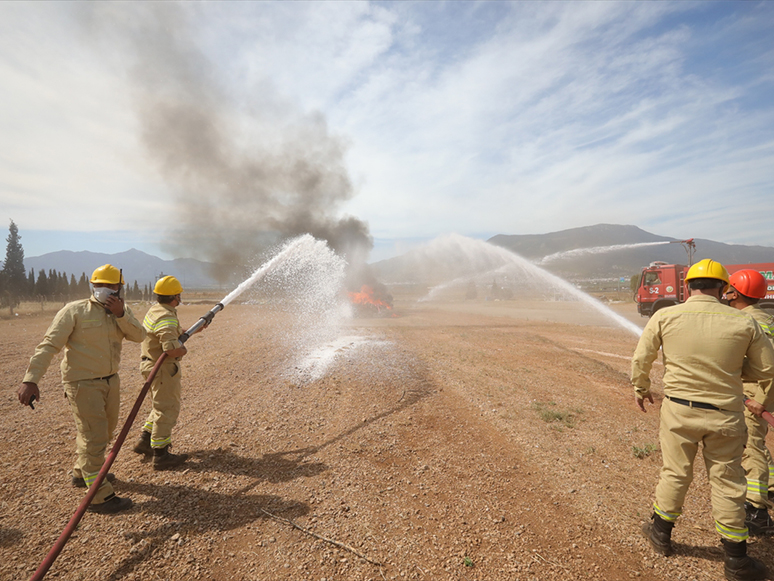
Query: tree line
<point>16,284</point>
<point>54,285</point>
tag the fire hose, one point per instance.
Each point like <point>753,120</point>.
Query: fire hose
<point>765,415</point>
<point>92,492</point>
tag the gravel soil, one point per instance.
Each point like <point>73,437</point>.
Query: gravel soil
<point>465,442</point>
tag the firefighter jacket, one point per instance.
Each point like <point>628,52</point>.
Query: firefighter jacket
<point>762,391</point>
<point>163,332</point>
<point>706,348</point>
<point>91,337</point>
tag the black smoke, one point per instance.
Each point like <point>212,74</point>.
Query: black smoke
<point>247,170</point>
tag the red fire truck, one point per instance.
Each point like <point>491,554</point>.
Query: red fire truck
<point>663,285</point>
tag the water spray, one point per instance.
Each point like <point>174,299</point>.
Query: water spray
<point>596,250</point>
<point>477,256</point>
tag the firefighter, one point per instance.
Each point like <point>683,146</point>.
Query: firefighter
<point>163,332</point>
<point>746,289</point>
<point>705,346</point>
<point>91,331</point>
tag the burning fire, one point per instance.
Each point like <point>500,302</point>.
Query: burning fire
<point>366,301</point>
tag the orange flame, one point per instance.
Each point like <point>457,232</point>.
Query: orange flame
<point>366,297</point>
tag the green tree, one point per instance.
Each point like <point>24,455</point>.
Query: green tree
<point>63,287</point>
<point>41,287</point>
<point>31,283</point>
<point>13,273</point>
<point>52,283</point>
<point>83,286</point>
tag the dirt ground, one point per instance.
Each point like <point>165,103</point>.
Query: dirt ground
<point>461,441</point>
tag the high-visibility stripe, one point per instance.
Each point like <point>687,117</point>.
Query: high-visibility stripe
<point>735,535</point>
<point>757,486</point>
<point>148,427</point>
<point>162,323</point>
<point>667,516</point>
<point>89,478</point>
<point>160,443</point>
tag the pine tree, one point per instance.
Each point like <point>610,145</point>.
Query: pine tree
<point>63,287</point>
<point>30,283</point>
<point>14,278</point>
<point>83,286</point>
<point>41,287</point>
<point>73,290</point>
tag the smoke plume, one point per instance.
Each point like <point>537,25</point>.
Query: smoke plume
<point>246,171</point>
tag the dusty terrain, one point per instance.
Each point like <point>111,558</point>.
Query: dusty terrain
<point>465,441</point>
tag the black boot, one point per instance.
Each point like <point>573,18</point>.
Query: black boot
<point>740,567</point>
<point>112,505</point>
<point>659,534</point>
<point>758,520</point>
<point>163,458</point>
<point>143,445</point>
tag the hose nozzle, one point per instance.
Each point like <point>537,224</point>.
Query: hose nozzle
<point>205,320</point>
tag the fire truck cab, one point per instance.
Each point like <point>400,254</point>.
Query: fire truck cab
<point>663,285</point>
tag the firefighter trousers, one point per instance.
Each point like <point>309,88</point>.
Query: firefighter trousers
<point>165,400</point>
<point>95,404</point>
<point>723,435</point>
<point>756,460</point>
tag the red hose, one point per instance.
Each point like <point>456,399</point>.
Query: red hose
<point>76,518</point>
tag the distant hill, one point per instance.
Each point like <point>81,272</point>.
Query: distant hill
<point>596,263</point>
<point>623,261</point>
<point>137,265</point>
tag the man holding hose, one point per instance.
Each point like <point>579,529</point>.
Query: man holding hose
<point>746,289</point>
<point>163,336</point>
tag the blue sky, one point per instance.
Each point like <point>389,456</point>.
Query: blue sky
<point>431,117</point>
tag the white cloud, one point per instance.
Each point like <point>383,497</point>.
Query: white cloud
<point>522,117</point>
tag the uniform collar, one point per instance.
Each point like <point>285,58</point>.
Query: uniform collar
<point>170,308</point>
<point>702,299</point>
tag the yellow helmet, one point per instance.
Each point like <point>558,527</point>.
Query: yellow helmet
<point>168,286</point>
<point>107,274</point>
<point>708,269</point>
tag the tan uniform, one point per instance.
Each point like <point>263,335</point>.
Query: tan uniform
<point>705,347</point>
<point>163,330</point>
<point>756,459</point>
<point>91,338</point>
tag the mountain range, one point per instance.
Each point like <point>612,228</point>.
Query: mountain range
<point>136,265</point>
<point>596,252</point>
<point>622,261</point>
<point>575,253</point>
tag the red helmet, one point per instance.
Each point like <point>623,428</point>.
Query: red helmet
<point>749,282</point>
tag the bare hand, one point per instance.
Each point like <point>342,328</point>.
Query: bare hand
<point>115,305</point>
<point>754,407</point>
<point>28,392</point>
<point>640,401</point>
